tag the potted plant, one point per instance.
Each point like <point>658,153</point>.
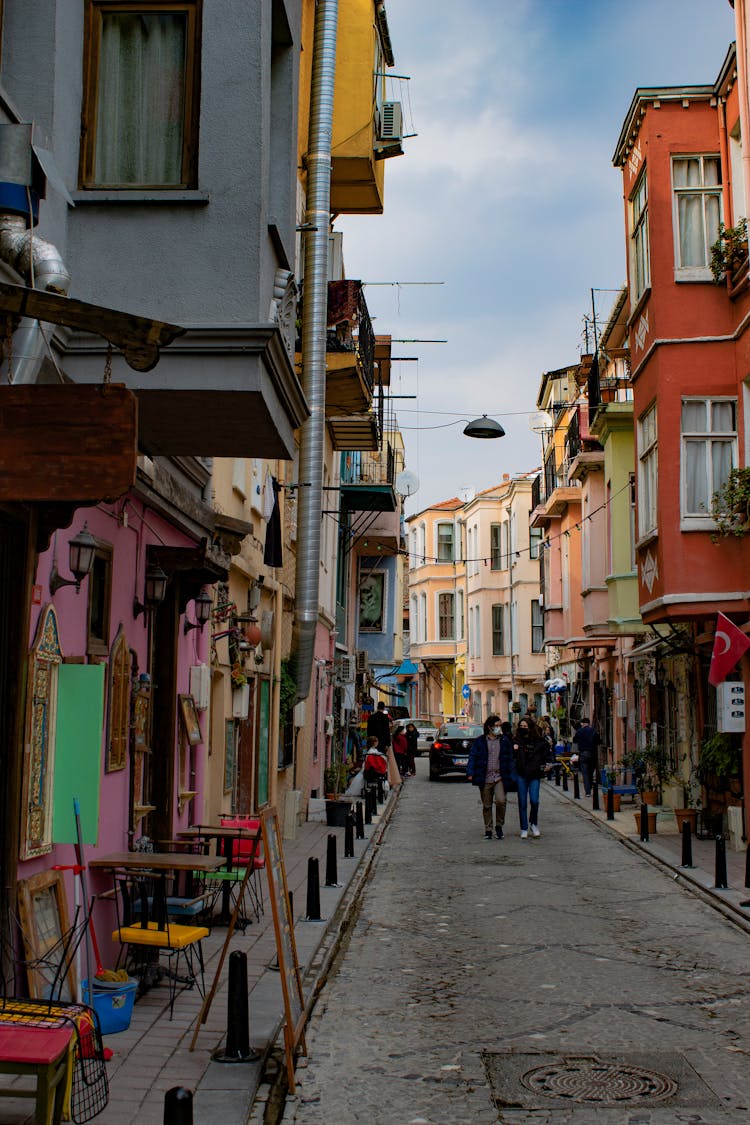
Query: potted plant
<point>335,778</point>
<point>720,758</point>
<point>730,505</point>
<point>729,251</point>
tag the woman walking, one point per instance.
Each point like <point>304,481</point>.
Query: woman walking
<point>491,769</point>
<point>531,756</point>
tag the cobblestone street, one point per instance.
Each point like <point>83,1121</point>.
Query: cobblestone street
<point>491,981</point>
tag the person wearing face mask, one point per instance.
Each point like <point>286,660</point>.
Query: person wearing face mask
<point>491,769</point>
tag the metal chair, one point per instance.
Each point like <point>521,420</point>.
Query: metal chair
<point>146,932</point>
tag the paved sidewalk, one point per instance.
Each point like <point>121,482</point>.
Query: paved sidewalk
<point>154,1055</point>
<point>665,847</point>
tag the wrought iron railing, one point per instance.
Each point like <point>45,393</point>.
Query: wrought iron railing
<point>349,325</point>
<point>536,491</point>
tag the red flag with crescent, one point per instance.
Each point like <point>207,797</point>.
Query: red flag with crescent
<point>729,645</point>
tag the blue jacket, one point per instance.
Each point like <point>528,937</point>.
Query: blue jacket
<point>476,768</point>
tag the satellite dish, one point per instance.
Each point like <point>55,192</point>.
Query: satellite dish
<point>467,493</point>
<point>407,483</point>
<point>540,421</point>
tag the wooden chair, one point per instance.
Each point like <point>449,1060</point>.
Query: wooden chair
<point>249,853</point>
<point>146,932</point>
<point>237,882</point>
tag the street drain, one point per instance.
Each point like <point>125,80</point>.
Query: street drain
<point>591,1081</point>
<point>555,1079</point>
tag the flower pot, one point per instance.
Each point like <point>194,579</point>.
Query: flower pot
<point>336,813</point>
<point>651,822</point>
<point>689,815</point>
<point>649,797</point>
<point>616,799</point>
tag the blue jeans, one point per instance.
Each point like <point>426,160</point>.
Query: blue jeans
<point>528,791</point>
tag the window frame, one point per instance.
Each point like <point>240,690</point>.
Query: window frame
<point>640,250</point>
<point>695,521</point>
<point>93,13</point>
<point>103,559</point>
<point>452,527</point>
<point>537,626</point>
<point>498,629</point>
<point>648,469</point>
<point>694,273</point>
<point>441,616</point>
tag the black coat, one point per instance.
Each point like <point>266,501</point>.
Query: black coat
<point>476,768</point>
<point>380,725</point>
<point>531,753</point>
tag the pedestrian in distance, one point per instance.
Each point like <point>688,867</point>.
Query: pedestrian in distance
<point>400,746</point>
<point>376,763</point>
<point>491,768</point>
<point>412,738</point>
<point>379,724</point>
<point>531,754</point>
<point>586,741</point>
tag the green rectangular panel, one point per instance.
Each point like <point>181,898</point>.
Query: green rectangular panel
<point>78,751</point>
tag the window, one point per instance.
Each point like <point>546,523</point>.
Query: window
<point>535,542</point>
<point>498,630</point>
<point>100,586</point>
<point>477,632</point>
<point>709,451</point>
<point>141,94</point>
<point>640,264</point>
<point>647,468</point>
<point>696,184</point>
<point>422,636</point>
<point>446,623</point>
<point>537,626</point>
<point>445,542</point>
<point>496,557</point>
<point>460,616</point>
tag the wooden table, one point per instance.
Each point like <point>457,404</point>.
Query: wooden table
<point>158,861</point>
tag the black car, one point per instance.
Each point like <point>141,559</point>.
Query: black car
<point>449,752</point>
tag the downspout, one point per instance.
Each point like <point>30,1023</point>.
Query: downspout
<point>314,317</point>
<point>41,265</point>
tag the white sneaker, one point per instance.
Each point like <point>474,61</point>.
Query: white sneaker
<point>524,834</point>
<point>535,831</point>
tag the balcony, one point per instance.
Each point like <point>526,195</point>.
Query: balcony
<point>367,481</point>
<point>611,385</point>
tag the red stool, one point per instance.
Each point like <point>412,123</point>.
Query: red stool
<point>43,1052</point>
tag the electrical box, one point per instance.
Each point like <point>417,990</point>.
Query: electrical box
<point>730,707</point>
<point>200,685</point>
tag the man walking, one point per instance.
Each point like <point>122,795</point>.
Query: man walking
<point>379,724</point>
<point>586,740</point>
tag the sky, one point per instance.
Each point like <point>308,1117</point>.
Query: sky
<point>508,198</point>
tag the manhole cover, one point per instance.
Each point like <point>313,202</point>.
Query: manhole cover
<point>556,1079</point>
<point>589,1080</point>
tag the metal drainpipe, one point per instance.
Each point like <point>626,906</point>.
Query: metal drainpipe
<point>41,264</point>
<point>314,318</point>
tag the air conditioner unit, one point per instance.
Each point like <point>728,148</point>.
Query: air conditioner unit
<point>390,126</point>
<point>328,724</point>
<point>363,663</point>
<point>346,670</point>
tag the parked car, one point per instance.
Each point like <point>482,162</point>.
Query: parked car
<point>450,750</point>
<point>425,735</point>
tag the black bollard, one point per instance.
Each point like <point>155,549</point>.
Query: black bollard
<point>644,823</point>
<point>313,891</point>
<point>565,781</point>
<point>178,1106</point>
<point>331,873</point>
<point>360,821</point>
<point>720,881</point>
<point>747,867</point>
<point>687,845</point>
<point>610,803</point>
<point>373,800</point>
<point>380,790</point>
<point>595,795</point>
<point>576,787</point>
<point>557,775</point>
<point>349,835</point>
<point>237,1049</point>
<point>368,807</point>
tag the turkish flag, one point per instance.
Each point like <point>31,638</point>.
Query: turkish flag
<point>729,645</point>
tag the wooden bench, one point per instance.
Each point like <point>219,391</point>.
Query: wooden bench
<point>626,789</point>
<point>45,1053</point>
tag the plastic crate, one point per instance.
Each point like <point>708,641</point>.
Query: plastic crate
<point>113,1005</point>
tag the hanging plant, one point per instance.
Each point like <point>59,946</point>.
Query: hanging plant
<point>238,677</point>
<point>729,251</point>
<point>730,505</point>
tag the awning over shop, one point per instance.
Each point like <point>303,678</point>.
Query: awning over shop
<point>644,649</point>
<point>406,668</point>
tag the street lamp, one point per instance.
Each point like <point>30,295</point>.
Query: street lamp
<point>155,587</point>
<point>81,552</point>
<point>484,427</point>
<point>203,606</point>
